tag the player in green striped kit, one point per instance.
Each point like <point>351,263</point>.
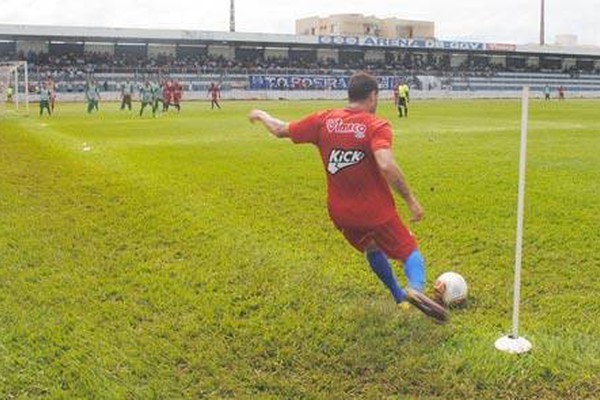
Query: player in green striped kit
<point>156,95</point>
<point>147,98</point>
<point>92,96</point>
<point>45,95</point>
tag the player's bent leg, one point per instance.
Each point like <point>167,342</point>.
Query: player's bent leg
<point>362,241</point>
<point>394,238</point>
<point>427,306</point>
<point>414,269</point>
<point>382,268</point>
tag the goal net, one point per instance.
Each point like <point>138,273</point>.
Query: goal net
<point>14,87</point>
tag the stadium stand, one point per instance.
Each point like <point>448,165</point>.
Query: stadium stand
<point>285,62</point>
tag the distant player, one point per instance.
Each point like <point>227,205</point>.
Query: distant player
<point>45,94</point>
<point>147,98</point>
<point>167,95</point>
<point>127,90</point>
<point>547,92</point>
<point>92,96</point>
<point>52,88</point>
<point>402,99</point>
<point>177,94</point>
<point>156,96</point>
<point>9,94</point>
<point>215,93</point>
<point>561,93</point>
<point>356,151</point>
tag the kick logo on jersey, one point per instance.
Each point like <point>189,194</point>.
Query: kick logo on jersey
<point>340,159</point>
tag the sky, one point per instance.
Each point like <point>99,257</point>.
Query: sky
<point>499,21</point>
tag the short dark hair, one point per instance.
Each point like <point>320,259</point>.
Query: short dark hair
<point>361,86</point>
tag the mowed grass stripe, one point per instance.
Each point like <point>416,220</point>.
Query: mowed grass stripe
<point>190,256</point>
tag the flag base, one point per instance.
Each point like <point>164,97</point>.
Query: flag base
<point>512,345</point>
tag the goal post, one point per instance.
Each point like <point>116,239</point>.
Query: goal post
<point>14,86</point>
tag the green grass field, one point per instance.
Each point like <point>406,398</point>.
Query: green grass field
<point>191,256</point>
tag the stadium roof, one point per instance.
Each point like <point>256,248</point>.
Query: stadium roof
<point>168,36</point>
<point>72,33</point>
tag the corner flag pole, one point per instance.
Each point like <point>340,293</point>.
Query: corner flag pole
<point>513,343</point>
<point>26,66</point>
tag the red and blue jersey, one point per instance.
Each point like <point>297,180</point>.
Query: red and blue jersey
<point>357,193</point>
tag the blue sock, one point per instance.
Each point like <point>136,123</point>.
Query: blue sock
<point>382,268</point>
<point>414,268</point>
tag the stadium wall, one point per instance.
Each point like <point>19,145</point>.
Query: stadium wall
<point>104,48</point>
<point>225,51</point>
<point>155,50</point>
<point>273,52</point>
<point>325,54</point>
<point>35,46</point>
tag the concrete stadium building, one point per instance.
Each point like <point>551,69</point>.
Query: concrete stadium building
<point>361,25</point>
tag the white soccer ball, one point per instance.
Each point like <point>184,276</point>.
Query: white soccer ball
<point>451,288</point>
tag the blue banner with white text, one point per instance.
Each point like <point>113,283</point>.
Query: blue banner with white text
<point>312,82</point>
<point>370,41</point>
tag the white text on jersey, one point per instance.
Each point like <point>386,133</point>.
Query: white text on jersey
<point>337,125</point>
<point>340,159</point>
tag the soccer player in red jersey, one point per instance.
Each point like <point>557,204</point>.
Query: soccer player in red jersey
<point>215,92</point>
<point>177,94</point>
<point>52,88</point>
<point>167,95</point>
<point>355,148</point>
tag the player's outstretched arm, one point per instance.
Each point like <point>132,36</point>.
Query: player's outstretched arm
<point>278,128</point>
<point>393,174</point>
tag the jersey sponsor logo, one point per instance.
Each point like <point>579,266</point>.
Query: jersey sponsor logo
<point>340,159</point>
<point>337,125</point>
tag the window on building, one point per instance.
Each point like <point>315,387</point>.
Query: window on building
<point>8,48</point>
<point>551,63</point>
<point>585,65</point>
<point>516,62</point>
<point>191,51</point>
<point>63,48</point>
<point>249,53</point>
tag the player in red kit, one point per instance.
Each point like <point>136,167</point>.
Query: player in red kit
<point>215,92</point>
<point>355,148</point>
<point>177,94</point>
<point>52,88</point>
<point>167,95</point>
